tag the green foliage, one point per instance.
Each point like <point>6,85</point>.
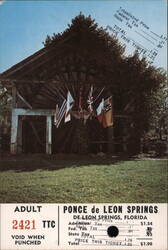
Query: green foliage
<point>5,106</point>
<point>5,111</point>
<point>84,34</point>
<point>142,93</point>
<point>138,88</point>
<point>136,85</point>
<point>159,113</point>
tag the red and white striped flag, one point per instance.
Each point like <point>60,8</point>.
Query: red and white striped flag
<point>59,113</point>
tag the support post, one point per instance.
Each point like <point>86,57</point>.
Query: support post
<point>124,144</point>
<point>125,135</point>
<point>110,139</point>
<point>19,135</point>
<point>111,128</point>
<point>48,135</point>
<point>14,123</point>
<point>14,96</point>
<point>14,130</point>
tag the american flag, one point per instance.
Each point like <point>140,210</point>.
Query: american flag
<point>59,113</point>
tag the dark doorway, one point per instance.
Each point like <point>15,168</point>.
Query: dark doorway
<point>34,134</point>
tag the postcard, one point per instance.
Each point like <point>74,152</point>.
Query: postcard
<point>83,124</point>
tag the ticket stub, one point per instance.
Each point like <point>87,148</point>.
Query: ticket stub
<point>83,226</point>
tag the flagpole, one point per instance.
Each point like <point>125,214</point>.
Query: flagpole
<point>110,132</point>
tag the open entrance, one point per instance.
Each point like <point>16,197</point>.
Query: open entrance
<point>34,134</point>
<point>73,137</point>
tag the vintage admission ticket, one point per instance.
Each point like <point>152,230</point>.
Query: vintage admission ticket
<point>83,226</point>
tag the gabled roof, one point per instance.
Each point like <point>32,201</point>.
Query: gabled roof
<point>9,72</point>
<point>82,54</point>
<point>38,58</point>
<point>82,33</point>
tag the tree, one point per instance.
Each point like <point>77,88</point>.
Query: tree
<point>5,105</point>
<point>136,85</point>
<point>94,53</point>
<point>159,113</point>
<point>148,85</point>
<point>5,111</point>
<point>83,28</point>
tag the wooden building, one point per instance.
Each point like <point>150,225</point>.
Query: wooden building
<point>76,59</point>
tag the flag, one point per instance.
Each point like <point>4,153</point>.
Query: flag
<point>69,105</point>
<point>100,110</point>
<point>59,114</point>
<point>90,100</point>
<point>108,115</point>
<point>104,112</point>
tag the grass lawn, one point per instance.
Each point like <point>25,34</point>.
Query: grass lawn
<point>52,180</point>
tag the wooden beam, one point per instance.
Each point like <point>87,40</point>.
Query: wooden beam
<point>16,128</point>
<point>17,81</point>
<point>14,132</point>
<point>19,135</point>
<point>122,116</point>
<point>124,144</point>
<point>26,62</point>
<point>110,139</point>
<point>23,100</point>
<point>14,123</point>
<point>49,135</point>
<point>33,112</point>
<point>14,96</point>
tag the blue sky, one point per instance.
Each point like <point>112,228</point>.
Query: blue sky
<point>24,25</point>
